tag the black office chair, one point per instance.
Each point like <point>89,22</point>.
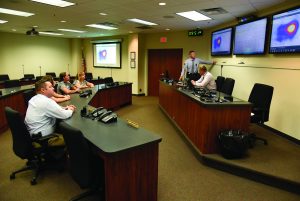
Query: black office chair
<point>52,74</point>
<point>86,168</point>
<point>227,86</point>
<point>37,78</point>
<point>27,95</point>
<point>29,76</point>
<point>4,77</point>
<point>88,76</point>
<point>108,80</point>
<point>219,82</point>
<point>23,145</point>
<point>261,97</point>
<point>12,83</point>
<point>72,78</point>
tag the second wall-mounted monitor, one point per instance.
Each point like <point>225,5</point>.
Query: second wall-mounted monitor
<point>250,38</point>
<point>285,37</point>
<point>221,42</point>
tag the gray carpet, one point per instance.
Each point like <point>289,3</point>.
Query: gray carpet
<point>181,176</point>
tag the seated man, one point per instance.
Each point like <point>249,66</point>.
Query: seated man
<point>65,87</point>
<point>42,112</point>
<point>56,97</point>
<point>206,80</point>
<point>81,83</point>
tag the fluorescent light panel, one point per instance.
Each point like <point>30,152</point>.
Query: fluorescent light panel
<point>2,21</point>
<point>141,21</point>
<point>51,33</point>
<point>194,15</point>
<point>59,3</point>
<point>15,12</point>
<point>100,26</point>
<point>72,30</point>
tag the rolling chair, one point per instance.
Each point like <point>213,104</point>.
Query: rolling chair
<point>108,80</point>
<point>23,145</point>
<point>261,97</point>
<point>227,86</point>
<point>27,95</point>
<point>12,83</point>
<point>219,82</point>
<point>4,77</point>
<point>37,78</point>
<point>52,74</point>
<point>28,77</point>
<point>88,76</point>
<point>85,167</point>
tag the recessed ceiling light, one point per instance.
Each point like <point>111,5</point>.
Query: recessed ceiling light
<point>35,26</point>
<point>59,3</point>
<point>194,15</point>
<point>167,29</point>
<point>102,13</point>
<point>72,30</point>
<point>51,33</point>
<point>79,36</point>
<point>15,12</point>
<point>130,31</point>
<point>63,21</point>
<point>14,29</point>
<point>100,26</point>
<point>162,4</point>
<point>2,21</point>
<point>141,21</point>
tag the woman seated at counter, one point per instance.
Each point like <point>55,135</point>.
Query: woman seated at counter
<point>81,83</point>
<point>56,97</point>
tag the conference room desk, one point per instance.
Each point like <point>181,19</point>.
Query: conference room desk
<point>13,98</point>
<point>200,121</point>
<point>130,154</point>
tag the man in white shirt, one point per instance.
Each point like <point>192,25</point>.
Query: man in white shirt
<point>42,111</point>
<point>206,81</point>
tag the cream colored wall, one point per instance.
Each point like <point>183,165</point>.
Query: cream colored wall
<point>118,74</point>
<point>285,106</point>
<point>52,54</point>
<point>133,46</point>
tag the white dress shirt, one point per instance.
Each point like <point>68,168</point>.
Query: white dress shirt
<point>208,81</point>
<point>42,113</point>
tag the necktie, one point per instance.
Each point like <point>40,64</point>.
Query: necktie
<point>193,70</point>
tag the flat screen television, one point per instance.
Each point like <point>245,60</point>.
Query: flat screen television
<point>221,42</point>
<point>285,35</point>
<point>250,37</point>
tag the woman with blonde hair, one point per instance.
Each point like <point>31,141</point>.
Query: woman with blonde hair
<point>81,83</point>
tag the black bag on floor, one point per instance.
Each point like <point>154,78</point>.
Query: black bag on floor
<point>234,143</point>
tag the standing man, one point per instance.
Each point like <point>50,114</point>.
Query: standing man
<point>65,86</point>
<point>206,80</point>
<point>42,112</point>
<point>190,66</point>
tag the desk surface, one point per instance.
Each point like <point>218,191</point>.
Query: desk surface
<point>10,91</point>
<point>112,137</point>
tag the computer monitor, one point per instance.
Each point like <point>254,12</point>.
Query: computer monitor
<point>221,42</point>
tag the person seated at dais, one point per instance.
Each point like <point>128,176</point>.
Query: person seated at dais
<point>81,83</point>
<point>206,80</point>
<point>65,86</point>
<point>56,97</point>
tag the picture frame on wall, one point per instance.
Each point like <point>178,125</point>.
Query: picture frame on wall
<point>132,64</point>
<point>132,55</point>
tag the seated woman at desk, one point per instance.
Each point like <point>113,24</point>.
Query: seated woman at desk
<point>56,97</point>
<point>81,83</point>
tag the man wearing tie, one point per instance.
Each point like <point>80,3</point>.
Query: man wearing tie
<point>190,66</point>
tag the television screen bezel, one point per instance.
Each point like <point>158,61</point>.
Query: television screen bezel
<point>231,41</point>
<point>271,30</point>
<point>266,34</point>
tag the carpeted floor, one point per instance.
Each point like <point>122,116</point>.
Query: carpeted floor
<point>181,177</point>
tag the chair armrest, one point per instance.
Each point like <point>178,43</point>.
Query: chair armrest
<point>42,140</point>
<point>258,109</point>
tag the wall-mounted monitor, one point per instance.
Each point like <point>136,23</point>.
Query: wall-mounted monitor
<point>221,42</point>
<point>285,36</point>
<point>107,55</point>
<point>250,37</point>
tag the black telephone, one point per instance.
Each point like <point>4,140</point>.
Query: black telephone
<point>104,114</point>
<point>97,112</point>
<point>110,118</point>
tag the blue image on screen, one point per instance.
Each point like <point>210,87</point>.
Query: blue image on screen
<point>285,36</point>
<point>221,42</point>
<point>102,55</point>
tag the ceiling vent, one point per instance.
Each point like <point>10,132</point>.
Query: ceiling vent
<point>214,11</point>
<point>32,32</point>
<point>144,27</point>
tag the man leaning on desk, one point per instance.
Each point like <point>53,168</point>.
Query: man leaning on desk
<point>190,66</point>
<point>206,81</point>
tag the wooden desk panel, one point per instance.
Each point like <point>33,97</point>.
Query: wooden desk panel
<point>200,122</point>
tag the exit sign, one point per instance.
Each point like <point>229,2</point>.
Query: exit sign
<point>195,32</point>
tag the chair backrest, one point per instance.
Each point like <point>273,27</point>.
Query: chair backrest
<point>108,80</point>
<point>27,95</point>
<point>219,82</point>
<point>37,78</point>
<point>261,97</point>
<point>22,143</point>
<point>29,76</point>
<point>4,77</point>
<point>79,155</point>
<point>52,74</point>
<point>227,86</point>
<point>12,83</point>
<point>88,76</point>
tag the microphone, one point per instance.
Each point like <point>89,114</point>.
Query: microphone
<point>40,70</point>
<point>23,70</point>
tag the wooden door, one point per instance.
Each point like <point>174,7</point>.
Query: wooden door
<point>162,61</point>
